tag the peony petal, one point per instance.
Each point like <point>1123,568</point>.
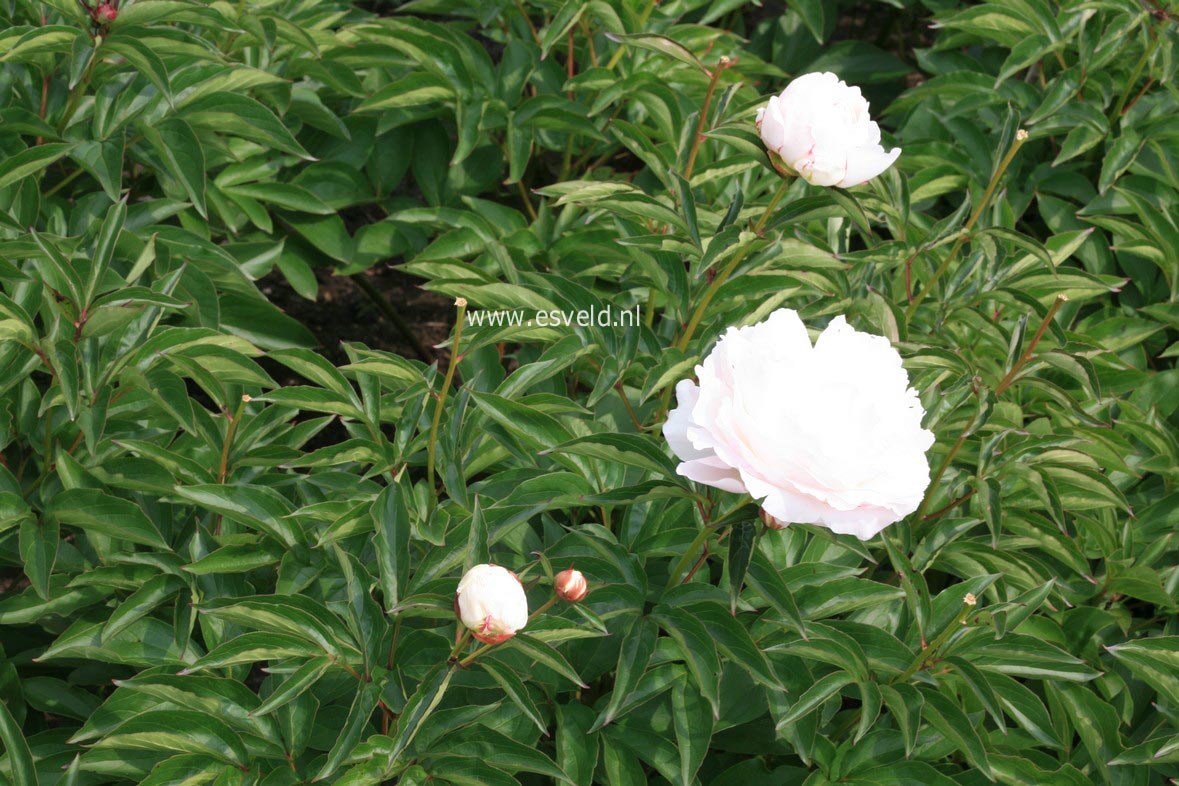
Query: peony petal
<point>679,420</point>
<point>712,473</point>
<point>865,163</point>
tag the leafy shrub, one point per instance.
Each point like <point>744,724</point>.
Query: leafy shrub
<point>212,577</point>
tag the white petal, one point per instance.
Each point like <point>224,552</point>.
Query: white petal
<point>865,163</point>
<point>679,420</point>
<point>712,473</point>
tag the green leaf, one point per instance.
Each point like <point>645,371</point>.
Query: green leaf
<point>477,552</point>
<point>294,615</point>
<point>183,156</point>
<point>564,19</point>
<point>661,44</point>
<point>766,581</point>
<point>638,644</point>
<point>95,511</point>
<point>179,731</point>
<point>253,648</point>
<point>239,115</point>
<point>577,746</point>
<point>423,702</point>
<point>296,684</point>
<point>544,654</point>
<point>824,688</point>
<point>517,692</point>
<point>1096,722</point>
<point>141,56</point>
<point>20,758</point>
<point>104,248</point>
<point>698,649</point>
<point>352,730</point>
<point>629,449</point>
<point>236,559</point>
<point>31,161</point>
<point>742,541</point>
<point>38,552</point>
<point>257,507</point>
<point>735,641</point>
<point>412,90</point>
<point>390,513</point>
<point>951,722</point>
<point>1153,660</point>
<point>693,729</point>
<point>154,592</point>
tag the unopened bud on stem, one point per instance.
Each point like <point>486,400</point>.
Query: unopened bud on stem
<point>571,586</point>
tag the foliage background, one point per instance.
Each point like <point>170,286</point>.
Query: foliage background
<point>204,589</point>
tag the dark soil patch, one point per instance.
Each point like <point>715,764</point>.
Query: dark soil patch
<point>342,312</point>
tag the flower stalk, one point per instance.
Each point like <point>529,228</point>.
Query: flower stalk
<point>1001,388</point>
<point>1021,136</point>
<point>723,276</point>
<point>223,469</point>
<point>461,304</point>
<point>722,65</point>
<point>459,644</point>
<point>928,654</point>
<point>1009,378</point>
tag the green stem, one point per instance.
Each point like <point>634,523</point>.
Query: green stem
<point>723,276</point>
<point>1021,136</point>
<point>927,654</point>
<point>548,604</point>
<point>1001,388</point>
<point>79,90</point>
<point>714,286</point>
<point>688,555</point>
<point>702,121</point>
<point>458,645</point>
<point>65,181</point>
<point>1027,355</point>
<point>467,661</point>
<point>461,303</point>
<point>223,471</point>
<point>1139,67</point>
<point>935,481</point>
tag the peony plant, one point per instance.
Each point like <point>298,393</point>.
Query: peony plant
<point>272,515</point>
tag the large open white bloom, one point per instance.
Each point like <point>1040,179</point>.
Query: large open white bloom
<point>491,602</point>
<point>820,127</point>
<point>828,434</point>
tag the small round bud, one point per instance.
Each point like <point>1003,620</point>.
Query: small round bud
<point>1021,135</point>
<point>571,586</point>
<point>970,600</point>
<point>461,302</point>
<point>106,13</point>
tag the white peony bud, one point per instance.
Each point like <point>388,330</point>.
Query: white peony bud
<point>828,434</point>
<point>491,602</point>
<point>820,128</point>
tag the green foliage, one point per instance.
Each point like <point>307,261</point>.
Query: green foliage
<point>213,575</point>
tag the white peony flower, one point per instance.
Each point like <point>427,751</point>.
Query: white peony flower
<point>819,126</point>
<point>828,434</point>
<point>491,602</point>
